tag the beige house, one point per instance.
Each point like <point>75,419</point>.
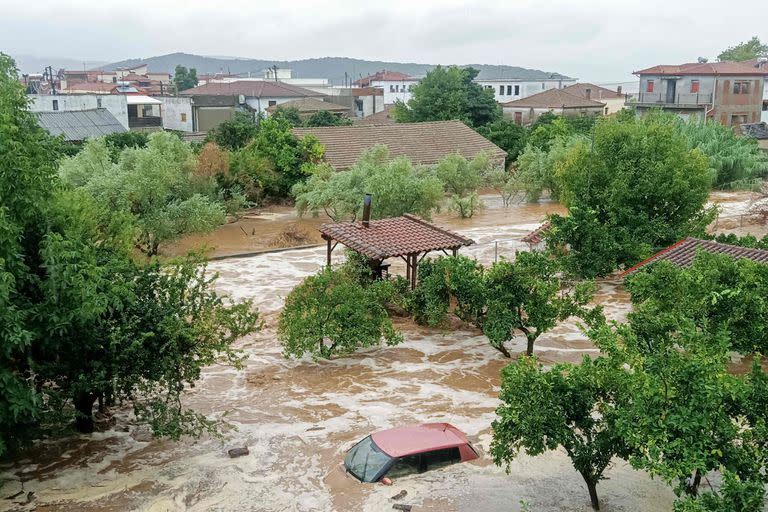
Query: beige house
<point>614,100</point>
<point>525,111</point>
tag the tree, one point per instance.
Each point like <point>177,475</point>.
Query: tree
<point>117,142</point>
<point>747,50</point>
<point>536,169</point>
<point>569,405</point>
<point>508,135</point>
<point>325,118</point>
<point>212,161</point>
<point>184,78</point>
<point>290,114</point>
<point>461,178</point>
<point>636,188</point>
<point>234,133</point>
<point>155,187</point>
<point>397,187</point>
<point>504,183</point>
<point>332,314</point>
<point>448,93</point>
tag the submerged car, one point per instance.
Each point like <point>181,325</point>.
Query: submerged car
<point>405,450</point>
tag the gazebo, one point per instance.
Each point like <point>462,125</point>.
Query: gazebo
<point>408,237</point>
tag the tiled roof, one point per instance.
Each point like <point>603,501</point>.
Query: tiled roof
<point>395,236</point>
<point>553,98</point>
<point>382,117</point>
<point>422,143</point>
<point>252,88</point>
<point>755,130</point>
<point>382,75</point>
<point>537,235</point>
<point>310,105</point>
<point>705,68</point>
<point>367,91</point>
<point>683,252</point>
<point>133,77</point>
<point>86,87</point>
<point>78,125</point>
<point>596,92</point>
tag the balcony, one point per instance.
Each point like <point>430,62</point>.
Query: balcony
<point>145,122</point>
<point>681,100</point>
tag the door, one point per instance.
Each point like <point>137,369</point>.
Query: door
<point>518,118</point>
<point>671,90</point>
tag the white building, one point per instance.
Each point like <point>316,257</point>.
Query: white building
<point>512,88</point>
<point>177,113</point>
<point>116,104</point>
<point>395,85</point>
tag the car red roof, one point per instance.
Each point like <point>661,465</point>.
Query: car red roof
<point>402,441</point>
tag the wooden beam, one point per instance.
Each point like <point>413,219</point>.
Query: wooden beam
<point>328,253</point>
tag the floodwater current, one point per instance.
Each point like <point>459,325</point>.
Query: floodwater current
<point>298,417</point>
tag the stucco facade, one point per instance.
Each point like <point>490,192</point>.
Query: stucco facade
<point>116,104</point>
<point>177,113</point>
<point>506,90</point>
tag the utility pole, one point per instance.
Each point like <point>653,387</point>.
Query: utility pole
<point>274,67</point>
<point>49,69</point>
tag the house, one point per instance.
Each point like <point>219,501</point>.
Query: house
<point>79,125</point>
<point>757,131</point>
<point>614,100</point>
<point>422,143</point>
<point>731,93</point>
<point>309,106</point>
<point>683,252</point>
<point>525,111</point>
<point>396,86</point>
<point>144,113</point>
<point>116,104</point>
<point>514,85</point>
<point>177,113</point>
<point>215,102</point>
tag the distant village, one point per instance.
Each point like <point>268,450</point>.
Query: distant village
<point>86,103</point>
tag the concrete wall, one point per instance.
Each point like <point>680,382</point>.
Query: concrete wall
<point>116,104</point>
<point>261,104</point>
<point>735,109</point>
<point>508,90</point>
<point>395,90</point>
<point>177,113</point>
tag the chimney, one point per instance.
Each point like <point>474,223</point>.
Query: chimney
<point>589,93</point>
<point>366,210</point>
<point>618,90</point>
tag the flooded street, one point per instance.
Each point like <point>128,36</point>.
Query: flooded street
<point>299,417</point>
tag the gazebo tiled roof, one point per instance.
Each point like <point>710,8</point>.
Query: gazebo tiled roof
<point>683,252</point>
<point>537,235</point>
<point>393,237</point>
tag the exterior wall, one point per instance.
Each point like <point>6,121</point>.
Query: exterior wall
<point>177,113</point>
<point>207,118</point>
<point>261,104</point>
<point>612,105</point>
<point>734,109</point>
<point>116,104</point>
<point>365,106</point>
<point>395,90</point>
<point>511,89</point>
<point>528,115</point>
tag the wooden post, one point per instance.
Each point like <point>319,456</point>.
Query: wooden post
<point>408,268</point>
<point>414,266</point>
<point>328,256</point>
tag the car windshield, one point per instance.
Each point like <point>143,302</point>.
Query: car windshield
<point>366,460</point>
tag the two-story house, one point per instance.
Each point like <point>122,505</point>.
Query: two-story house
<point>396,86</point>
<point>731,93</point>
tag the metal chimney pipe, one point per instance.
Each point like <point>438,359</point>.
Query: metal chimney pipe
<point>366,210</point>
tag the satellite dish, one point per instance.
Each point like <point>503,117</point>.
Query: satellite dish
<point>703,60</point>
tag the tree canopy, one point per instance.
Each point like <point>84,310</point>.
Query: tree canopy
<point>746,50</point>
<point>184,78</point>
<point>447,93</point>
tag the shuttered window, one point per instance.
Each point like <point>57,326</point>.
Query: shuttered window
<point>694,86</point>
<point>649,86</point>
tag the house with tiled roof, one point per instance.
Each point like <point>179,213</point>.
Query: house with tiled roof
<point>216,102</point>
<point>557,101</point>
<point>730,93</point>
<point>614,100</point>
<point>308,106</point>
<point>422,143</point>
<point>396,86</point>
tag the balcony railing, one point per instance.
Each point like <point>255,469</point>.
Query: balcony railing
<point>145,122</point>
<point>680,100</point>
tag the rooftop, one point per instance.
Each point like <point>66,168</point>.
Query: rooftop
<point>596,92</point>
<point>102,87</point>
<point>537,235</point>
<point>422,143</point>
<point>705,68</point>
<point>310,105</point>
<point>553,98</point>
<point>382,75</point>
<point>392,237</point>
<point>755,130</point>
<point>252,88</point>
<point>683,252</point>
<point>78,125</point>
<point>403,441</point>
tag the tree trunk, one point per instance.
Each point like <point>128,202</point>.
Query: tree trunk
<point>529,350</point>
<point>84,405</point>
<point>501,348</point>
<point>592,487</point>
<point>693,489</point>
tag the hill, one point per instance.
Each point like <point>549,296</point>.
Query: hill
<point>332,68</point>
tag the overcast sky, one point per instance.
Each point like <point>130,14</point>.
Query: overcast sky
<point>591,40</point>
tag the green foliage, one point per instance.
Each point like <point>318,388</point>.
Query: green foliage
<point>743,241</point>
<point>461,178</point>
<point>290,114</point>
<point>234,133</point>
<point>508,135</point>
<point>716,292</point>
<point>155,187</point>
<point>569,405</point>
<point>448,93</point>
<point>550,127</point>
<point>184,78</point>
<point>332,314</point>
<point>747,50</point>
<point>397,187</point>
<point>325,118</point>
<point>637,187</point>
<point>527,296</point>
<point>537,168</point>
<point>735,162</point>
<point>734,495</point>
<point>117,142</point>
<point>505,184</point>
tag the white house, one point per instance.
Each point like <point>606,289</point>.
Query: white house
<point>177,113</point>
<point>395,85</point>
<point>512,88</point>
<point>116,104</point>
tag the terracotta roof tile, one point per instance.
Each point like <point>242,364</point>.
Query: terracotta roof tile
<point>705,68</point>
<point>683,252</point>
<point>382,75</point>
<point>553,98</point>
<point>537,235</point>
<point>309,105</point>
<point>596,92</point>
<point>253,88</point>
<point>422,143</point>
<point>392,237</point>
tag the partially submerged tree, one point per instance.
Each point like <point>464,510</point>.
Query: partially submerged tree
<point>508,135</point>
<point>461,179</point>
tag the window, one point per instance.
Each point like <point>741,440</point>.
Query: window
<point>501,90</point>
<point>649,86</point>
<point>183,117</point>
<point>55,104</point>
<point>738,119</point>
<point>694,86</point>
<point>441,458</point>
<point>272,103</point>
<point>146,110</point>
<point>606,111</point>
<point>114,79</point>
<point>391,88</point>
<point>517,90</point>
<point>542,86</point>
<point>407,466</point>
<point>741,87</point>
<point>509,90</point>
<point>98,102</point>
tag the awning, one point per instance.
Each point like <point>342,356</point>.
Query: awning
<point>141,99</point>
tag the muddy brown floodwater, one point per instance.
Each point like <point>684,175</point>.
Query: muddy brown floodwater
<point>299,417</point>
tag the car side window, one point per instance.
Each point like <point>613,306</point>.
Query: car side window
<point>406,466</point>
<point>440,458</point>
